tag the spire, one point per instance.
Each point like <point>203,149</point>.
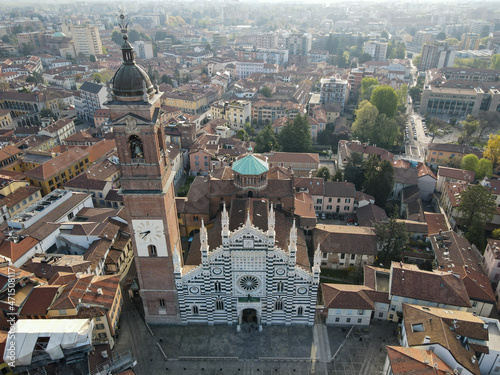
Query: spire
<point>292,246</point>
<point>225,217</point>
<point>271,228</point>
<point>127,50</point>
<point>203,234</point>
<point>177,260</point>
<point>272,217</point>
<point>248,223</point>
<point>293,234</point>
<point>317,259</point>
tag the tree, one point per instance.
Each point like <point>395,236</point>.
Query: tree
<point>402,94</point>
<point>492,151</point>
<point>166,79</point>
<point>384,35</point>
<point>296,135</point>
<point>470,126</point>
<point>379,179</point>
<point>353,170</point>
<point>47,113</point>
<point>324,173</point>
<point>385,131</point>
<point>385,99</point>
<point>364,57</point>
<point>487,121</point>
<point>495,62</point>
<point>441,36</point>
<point>415,94</point>
<point>364,88</point>
<point>496,234</point>
<point>133,36</point>
<point>92,58</point>
<point>97,78</point>
<point>266,91</point>
<point>477,207</point>
<point>338,176</point>
<point>242,135</point>
<point>484,169</point>
<point>366,115</point>
<point>452,41</point>
<point>116,37</point>
<point>392,239</point>
<point>470,163</point>
<point>416,60</point>
<point>266,140</point>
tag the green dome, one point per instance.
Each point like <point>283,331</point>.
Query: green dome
<point>58,34</point>
<point>250,165</point>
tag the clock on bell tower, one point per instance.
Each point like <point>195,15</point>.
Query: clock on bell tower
<point>146,184</point>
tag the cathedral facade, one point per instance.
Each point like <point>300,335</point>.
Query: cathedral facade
<point>251,266</point>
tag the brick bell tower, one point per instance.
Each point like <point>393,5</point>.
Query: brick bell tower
<point>146,184</point>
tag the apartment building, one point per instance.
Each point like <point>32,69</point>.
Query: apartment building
<point>143,50</point>
<point>377,49</point>
<point>298,44</point>
<point>247,68</point>
<point>86,38</point>
<point>436,55</point>
<point>92,97</point>
<point>334,90</point>
<point>237,112</point>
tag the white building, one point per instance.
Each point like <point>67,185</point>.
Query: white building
<point>334,90</point>
<point>86,39</point>
<point>247,68</point>
<point>376,49</point>
<point>251,267</point>
<point>144,50</point>
<point>92,98</point>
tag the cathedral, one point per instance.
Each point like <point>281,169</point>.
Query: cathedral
<point>249,262</point>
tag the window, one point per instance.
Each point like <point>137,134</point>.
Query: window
<point>361,312</point>
<point>391,316</point>
<point>195,218</point>
<point>278,305</point>
<point>346,208</point>
<point>337,320</point>
<point>328,207</point>
<point>380,315</point>
<point>342,256</point>
<point>152,250</point>
<point>280,287</point>
<point>217,286</point>
<point>329,200</point>
<point>325,255</point>
<point>300,311</point>
<point>353,256</point>
<point>219,304</point>
<point>348,320</point>
<point>62,312</point>
<point>360,320</point>
<point>99,326</point>
<point>338,200</point>
<point>161,301</point>
<point>319,201</point>
<point>348,200</point>
<point>194,310</point>
<point>474,303</point>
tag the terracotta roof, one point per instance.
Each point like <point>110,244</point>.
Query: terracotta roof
<point>101,149</point>
<point>57,164</point>
<point>424,170</point>
<point>19,195</point>
<point>340,189</point>
<point>304,206</point>
<point>406,176</point>
<point>14,251</point>
<point>343,296</point>
<point>39,300</point>
<point>413,361</point>
<point>315,185</point>
<point>293,157</point>
<point>370,214</point>
<point>457,174</point>
<point>407,280</point>
<point>9,151</point>
<point>345,239</point>
<point>435,222</point>
<point>414,226</point>
<point>47,266</point>
<point>441,326</point>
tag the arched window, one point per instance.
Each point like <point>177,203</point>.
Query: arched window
<point>219,304</point>
<point>152,251</point>
<point>136,147</point>
<point>195,309</point>
<point>278,305</point>
<point>280,287</point>
<point>217,286</point>
<point>250,194</point>
<point>300,310</point>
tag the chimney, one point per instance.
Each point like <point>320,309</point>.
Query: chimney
<point>99,291</point>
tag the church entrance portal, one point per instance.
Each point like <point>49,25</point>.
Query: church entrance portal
<point>249,316</point>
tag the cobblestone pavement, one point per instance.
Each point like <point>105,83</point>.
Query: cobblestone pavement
<point>198,349</point>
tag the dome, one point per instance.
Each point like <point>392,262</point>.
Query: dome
<point>131,82</point>
<point>58,34</point>
<point>250,165</point>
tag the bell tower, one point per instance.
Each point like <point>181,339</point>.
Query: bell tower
<point>146,184</point>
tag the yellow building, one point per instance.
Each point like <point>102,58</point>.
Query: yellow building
<point>55,172</point>
<point>5,119</point>
<point>188,102</point>
<point>21,198</point>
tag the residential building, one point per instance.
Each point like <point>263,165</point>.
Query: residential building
<point>86,38</point>
<point>92,98</point>
<point>377,49</point>
<point>334,90</point>
<point>339,197</point>
<point>452,175</point>
<point>344,246</point>
<point>491,261</point>
<point>247,68</point>
<point>450,200</point>
<point>436,55</point>
<point>403,360</point>
<point>470,41</point>
<point>59,130</point>
<point>21,198</point>
<point>346,148</point>
<point>237,112</point>
<point>144,50</point>
<point>426,181</point>
<point>101,117</point>
<point>298,44</point>
<point>188,102</point>
<point>302,164</point>
<point>438,153</point>
<point>5,119</point>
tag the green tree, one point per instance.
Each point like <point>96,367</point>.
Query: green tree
<point>452,41</point>
<point>415,94</point>
<point>92,58</point>
<point>166,79</point>
<point>48,113</point>
<point>385,131</point>
<point>116,37</point>
<point>364,57</point>
<point>392,239</point>
<point>496,234</point>
<point>242,135</point>
<point>338,176</point>
<point>250,130</point>
<point>97,77</point>
<point>353,170</point>
<point>266,91</point>
<point>402,94</point>
<point>470,163</point>
<point>366,87</point>
<point>441,36</point>
<point>484,169</point>
<point>133,36</point>
<point>324,173</point>
<point>492,150</point>
<point>366,116</point>
<point>470,126</point>
<point>417,60</point>
<point>266,140</point>
<point>379,179</point>
<point>477,207</point>
<point>495,62</point>
<point>487,121</point>
<point>384,35</point>
<point>385,99</point>
<point>296,135</point>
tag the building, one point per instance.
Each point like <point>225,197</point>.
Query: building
<point>334,90</point>
<point>302,164</point>
<point>452,175</point>
<point>298,44</point>
<point>491,261</point>
<point>144,50</point>
<point>247,68</point>
<point>470,41</point>
<point>426,181</point>
<point>86,38</point>
<point>438,153</point>
<point>376,49</point>
<point>92,98</point>
<point>237,112</point>
<point>403,360</point>
<point>436,55</point>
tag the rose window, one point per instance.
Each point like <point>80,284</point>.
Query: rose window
<point>248,283</point>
